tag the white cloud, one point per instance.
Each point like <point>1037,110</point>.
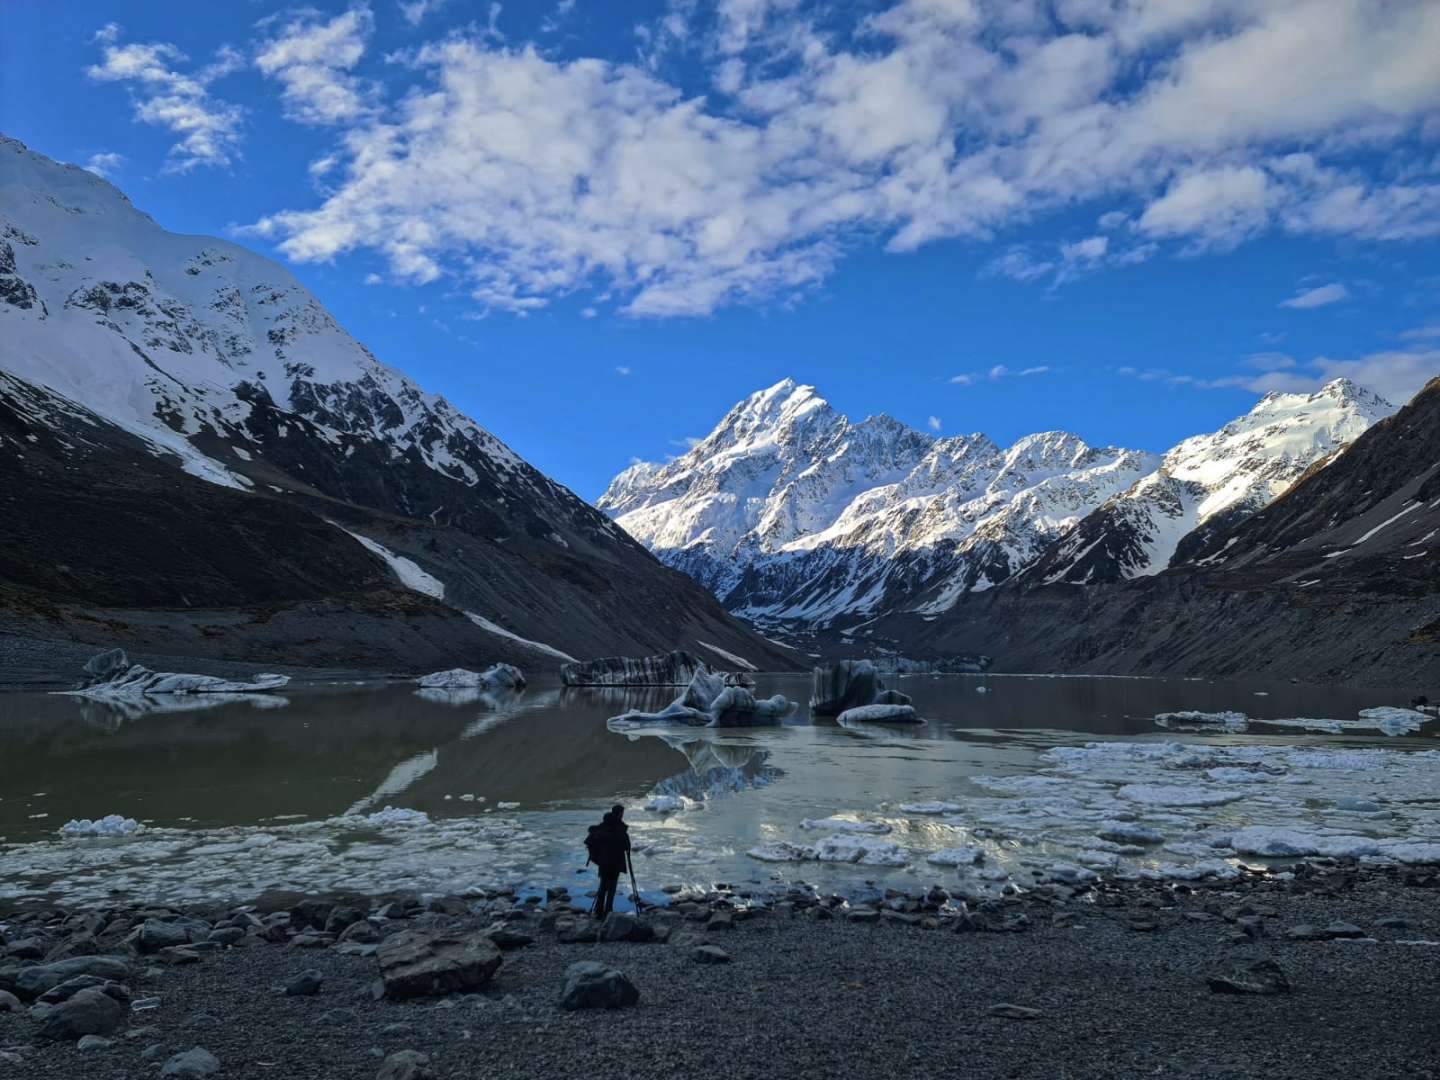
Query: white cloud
<point>1395,375</point>
<point>622,370</point>
<point>1218,207</point>
<point>1422,333</point>
<point>1042,369</point>
<point>962,380</point>
<point>1319,296</point>
<point>313,59</point>
<point>933,423</point>
<point>105,164</point>
<point>528,177</point>
<point>208,129</point>
<point>414,11</point>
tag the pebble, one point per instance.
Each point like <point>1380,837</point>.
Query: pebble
<point>197,1062</point>
<point>306,984</point>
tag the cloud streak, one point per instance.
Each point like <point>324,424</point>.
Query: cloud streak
<point>527,177</point>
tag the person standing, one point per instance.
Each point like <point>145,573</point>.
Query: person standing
<point>608,847</point>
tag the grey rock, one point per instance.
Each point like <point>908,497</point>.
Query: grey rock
<point>592,985</point>
<point>506,937</point>
<point>572,930</point>
<point>363,932</point>
<point>1392,922</point>
<point>423,963</point>
<point>406,1065</point>
<point>89,1012</point>
<point>623,926</point>
<point>306,984</point>
<point>228,935</point>
<point>711,954</point>
<point>721,920</point>
<point>197,1062</point>
<point>154,936</point>
<point>70,987</point>
<point>900,918</point>
<point>103,666</point>
<point>93,1042</point>
<point>30,948</point>
<point>31,982</point>
<point>153,1052</point>
<point>863,915</point>
<point>342,917</point>
<point>9,1003</point>
<point>311,914</point>
<point>1258,977</point>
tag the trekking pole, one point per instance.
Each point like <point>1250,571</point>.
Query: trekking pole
<point>634,887</point>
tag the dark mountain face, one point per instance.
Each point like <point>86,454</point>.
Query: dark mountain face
<point>185,430</point>
<point>1338,579</point>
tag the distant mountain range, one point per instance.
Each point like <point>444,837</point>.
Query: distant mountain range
<point>196,458</point>
<point>794,515</point>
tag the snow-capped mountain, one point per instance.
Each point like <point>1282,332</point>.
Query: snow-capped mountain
<point>1210,482</point>
<point>788,511</point>
<point>215,360</point>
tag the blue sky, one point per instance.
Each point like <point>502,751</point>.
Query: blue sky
<point>594,233</point>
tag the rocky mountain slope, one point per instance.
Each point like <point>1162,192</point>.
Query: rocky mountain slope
<point>790,512</point>
<point>186,433</point>
<point>1337,579</point>
<point>794,515</point>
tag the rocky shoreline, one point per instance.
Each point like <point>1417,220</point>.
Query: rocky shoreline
<point>1328,969</point>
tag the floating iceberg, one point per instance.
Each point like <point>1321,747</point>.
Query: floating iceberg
<point>1191,720</point>
<point>676,668</point>
<point>879,714</point>
<point>1177,795</point>
<point>109,825</point>
<point>498,677</point>
<point>669,804</point>
<point>843,688</point>
<point>111,677</point>
<point>394,815</point>
<point>709,701</point>
<point>848,825</point>
<point>843,848</point>
<point>930,808</point>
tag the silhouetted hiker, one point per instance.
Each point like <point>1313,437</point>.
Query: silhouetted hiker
<point>608,845</point>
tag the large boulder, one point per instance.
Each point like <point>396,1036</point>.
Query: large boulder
<point>406,1065</point>
<point>89,1012</point>
<point>592,985</point>
<point>425,963</point>
<point>31,982</point>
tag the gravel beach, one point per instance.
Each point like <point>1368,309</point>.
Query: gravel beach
<point>1114,981</point>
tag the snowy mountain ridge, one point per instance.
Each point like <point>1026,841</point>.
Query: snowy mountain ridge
<point>172,337</point>
<point>789,512</point>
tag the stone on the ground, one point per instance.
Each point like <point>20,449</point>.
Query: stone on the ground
<point>30,948</point>
<point>197,1062</point>
<point>1343,930</point>
<point>1258,977</point>
<point>406,1065</point>
<point>1013,1012</point>
<point>592,985</point>
<point>506,937</point>
<point>31,982</point>
<point>711,954</point>
<point>623,926</point>
<point>863,915</point>
<point>155,935</point>
<point>93,1042</point>
<point>89,1012</point>
<point>721,920</point>
<point>9,1003</point>
<point>306,984</point>
<point>425,963</point>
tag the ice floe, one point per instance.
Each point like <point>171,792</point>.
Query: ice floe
<point>930,808</point>
<point>841,848</point>
<point>1386,719</point>
<point>879,714</point>
<point>130,682</point>
<point>959,856</point>
<point>496,677</point>
<point>846,825</point>
<point>669,804</point>
<point>109,825</point>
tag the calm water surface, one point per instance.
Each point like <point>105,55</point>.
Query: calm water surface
<point>276,789</point>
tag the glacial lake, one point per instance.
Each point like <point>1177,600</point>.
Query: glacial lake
<point>1009,775</point>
